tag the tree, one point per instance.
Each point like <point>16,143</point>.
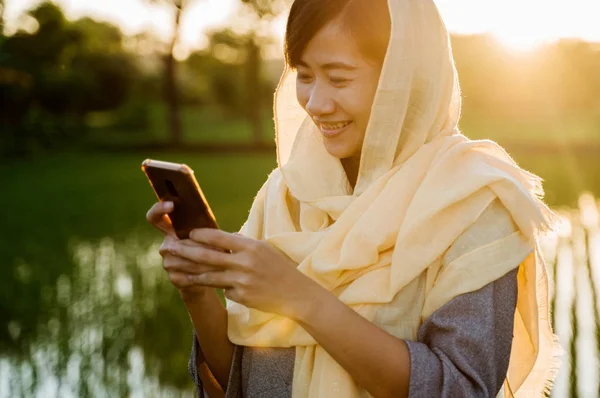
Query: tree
<point>216,73</point>
<point>2,6</point>
<point>52,79</point>
<point>264,11</point>
<point>170,70</point>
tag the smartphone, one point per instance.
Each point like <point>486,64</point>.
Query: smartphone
<point>176,183</point>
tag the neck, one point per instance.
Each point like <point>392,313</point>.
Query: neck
<point>351,166</point>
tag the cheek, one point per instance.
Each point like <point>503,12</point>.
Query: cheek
<point>365,107</point>
<point>356,105</point>
<point>302,95</point>
<point>364,104</point>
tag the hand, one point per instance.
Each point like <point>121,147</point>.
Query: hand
<point>177,268</point>
<point>251,272</point>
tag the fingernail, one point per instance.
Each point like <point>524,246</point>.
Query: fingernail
<point>168,205</point>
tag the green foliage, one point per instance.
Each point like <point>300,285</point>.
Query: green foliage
<point>218,75</point>
<point>71,76</point>
<point>2,8</point>
<point>53,78</point>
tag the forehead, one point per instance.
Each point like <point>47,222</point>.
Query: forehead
<point>333,43</point>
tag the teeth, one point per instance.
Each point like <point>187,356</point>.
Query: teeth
<point>334,126</point>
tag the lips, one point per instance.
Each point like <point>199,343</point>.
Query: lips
<point>333,129</point>
<point>334,126</point>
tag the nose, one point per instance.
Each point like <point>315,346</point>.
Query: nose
<point>320,101</point>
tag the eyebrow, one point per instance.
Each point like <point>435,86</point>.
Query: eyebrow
<point>331,65</point>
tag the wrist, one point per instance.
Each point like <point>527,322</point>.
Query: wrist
<point>194,295</point>
<point>315,297</point>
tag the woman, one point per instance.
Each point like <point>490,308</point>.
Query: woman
<point>387,255</point>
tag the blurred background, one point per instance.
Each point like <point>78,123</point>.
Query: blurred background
<point>89,89</point>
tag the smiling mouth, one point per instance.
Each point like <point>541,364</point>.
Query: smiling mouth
<point>333,129</point>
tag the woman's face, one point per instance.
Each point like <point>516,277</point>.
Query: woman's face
<point>336,85</point>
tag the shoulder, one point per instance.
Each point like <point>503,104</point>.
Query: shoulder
<point>494,224</point>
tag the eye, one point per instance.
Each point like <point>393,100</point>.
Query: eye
<point>339,81</point>
<point>304,77</point>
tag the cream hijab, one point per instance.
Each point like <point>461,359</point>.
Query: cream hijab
<point>420,185</point>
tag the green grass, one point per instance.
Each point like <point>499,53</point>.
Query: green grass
<point>209,125</point>
<point>200,125</point>
<point>103,194</point>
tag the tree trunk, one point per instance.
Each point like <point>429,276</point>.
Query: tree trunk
<point>2,6</point>
<point>171,95</point>
<point>254,90</point>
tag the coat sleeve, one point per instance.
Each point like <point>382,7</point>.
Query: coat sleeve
<point>234,389</point>
<point>463,348</point>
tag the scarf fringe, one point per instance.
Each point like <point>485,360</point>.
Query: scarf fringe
<point>549,220</point>
<point>554,352</point>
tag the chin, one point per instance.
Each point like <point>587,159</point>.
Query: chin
<point>340,150</point>
<point>345,145</point>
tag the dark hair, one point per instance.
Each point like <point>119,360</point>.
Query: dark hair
<point>367,20</point>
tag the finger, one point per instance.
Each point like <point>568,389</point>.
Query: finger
<point>220,280</point>
<point>202,255</point>
<point>180,280</point>
<point>189,242</point>
<point>163,250</point>
<point>176,264</point>
<point>169,239</point>
<point>156,212</point>
<point>232,294</point>
<point>221,239</point>
<point>172,262</point>
<point>157,216</point>
<point>173,239</point>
